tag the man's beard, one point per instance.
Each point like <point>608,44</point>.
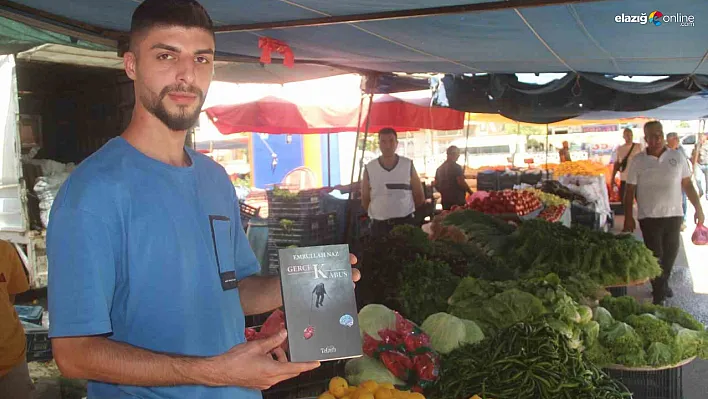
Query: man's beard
<point>183,119</point>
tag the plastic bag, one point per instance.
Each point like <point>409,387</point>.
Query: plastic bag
<point>700,235</point>
<point>406,353</point>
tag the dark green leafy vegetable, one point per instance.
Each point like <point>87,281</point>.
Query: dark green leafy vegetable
<point>425,287</point>
<point>651,329</point>
<point>524,361</point>
<point>621,307</point>
<point>384,259</point>
<point>674,315</point>
<point>652,336</point>
<point>605,258</point>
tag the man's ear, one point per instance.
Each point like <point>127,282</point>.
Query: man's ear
<point>130,62</point>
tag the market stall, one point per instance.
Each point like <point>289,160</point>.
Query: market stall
<point>497,309</point>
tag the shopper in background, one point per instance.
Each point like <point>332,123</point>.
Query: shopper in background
<point>673,142</point>
<point>564,152</point>
<point>623,158</point>
<point>391,189</point>
<point>450,180</point>
<point>699,159</point>
<point>15,380</point>
<point>656,178</point>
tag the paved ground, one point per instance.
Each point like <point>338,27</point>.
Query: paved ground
<point>689,281</point>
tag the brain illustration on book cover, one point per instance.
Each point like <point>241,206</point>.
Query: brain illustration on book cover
<point>320,308</point>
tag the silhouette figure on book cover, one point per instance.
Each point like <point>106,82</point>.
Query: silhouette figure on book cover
<point>320,292</point>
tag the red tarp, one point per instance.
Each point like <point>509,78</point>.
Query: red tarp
<point>275,115</point>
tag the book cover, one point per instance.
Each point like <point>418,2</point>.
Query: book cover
<point>320,307</point>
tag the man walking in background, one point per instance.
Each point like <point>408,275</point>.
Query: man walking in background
<point>699,159</point>
<point>450,180</point>
<point>623,158</point>
<point>564,153</point>
<point>391,189</point>
<point>656,179</point>
<point>15,380</point>
<point>673,142</point>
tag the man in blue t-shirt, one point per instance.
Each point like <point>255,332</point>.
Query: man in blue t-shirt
<point>150,271</point>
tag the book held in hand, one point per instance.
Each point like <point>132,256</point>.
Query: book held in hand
<point>320,307</point>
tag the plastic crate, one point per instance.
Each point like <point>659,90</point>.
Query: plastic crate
<point>30,314</point>
<point>617,291</point>
<point>247,213</point>
<point>535,176</point>
<point>509,179</point>
<point>39,347</point>
<point>310,228</point>
<point>584,216</point>
<point>663,384</point>
<point>488,180</point>
<point>307,385</point>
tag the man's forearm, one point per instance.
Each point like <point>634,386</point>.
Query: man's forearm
<point>692,195</point>
<point>101,359</point>
<point>629,200</point>
<point>260,294</point>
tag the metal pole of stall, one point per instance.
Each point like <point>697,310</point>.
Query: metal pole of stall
<point>356,142</point>
<point>366,133</point>
<point>347,230</point>
<point>546,150</point>
<point>329,162</point>
<point>467,138</point>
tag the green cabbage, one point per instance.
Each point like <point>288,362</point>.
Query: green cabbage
<point>365,368</point>
<point>585,314</point>
<point>591,331</point>
<point>473,333</point>
<point>448,332</point>
<point>603,317</point>
<point>374,318</point>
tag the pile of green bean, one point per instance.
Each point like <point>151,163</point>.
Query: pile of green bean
<point>525,361</point>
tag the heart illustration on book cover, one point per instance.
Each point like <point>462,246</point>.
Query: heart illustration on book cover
<point>309,332</point>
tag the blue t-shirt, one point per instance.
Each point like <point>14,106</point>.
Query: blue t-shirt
<point>133,246</point>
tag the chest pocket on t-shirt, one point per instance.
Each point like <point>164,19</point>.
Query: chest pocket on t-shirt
<point>222,239</point>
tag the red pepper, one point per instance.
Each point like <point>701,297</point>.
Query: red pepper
<point>427,366</point>
<point>370,345</point>
<point>397,363</point>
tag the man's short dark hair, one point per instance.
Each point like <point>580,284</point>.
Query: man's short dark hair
<point>165,13</point>
<point>388,130</point>
<point>651,124</point>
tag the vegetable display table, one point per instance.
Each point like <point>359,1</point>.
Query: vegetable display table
<point>652,383</point>
<point>621,289</point>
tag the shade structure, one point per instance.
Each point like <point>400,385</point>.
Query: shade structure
<point>408,112</point>
<point>446,36</point>
<point>274,115</point>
